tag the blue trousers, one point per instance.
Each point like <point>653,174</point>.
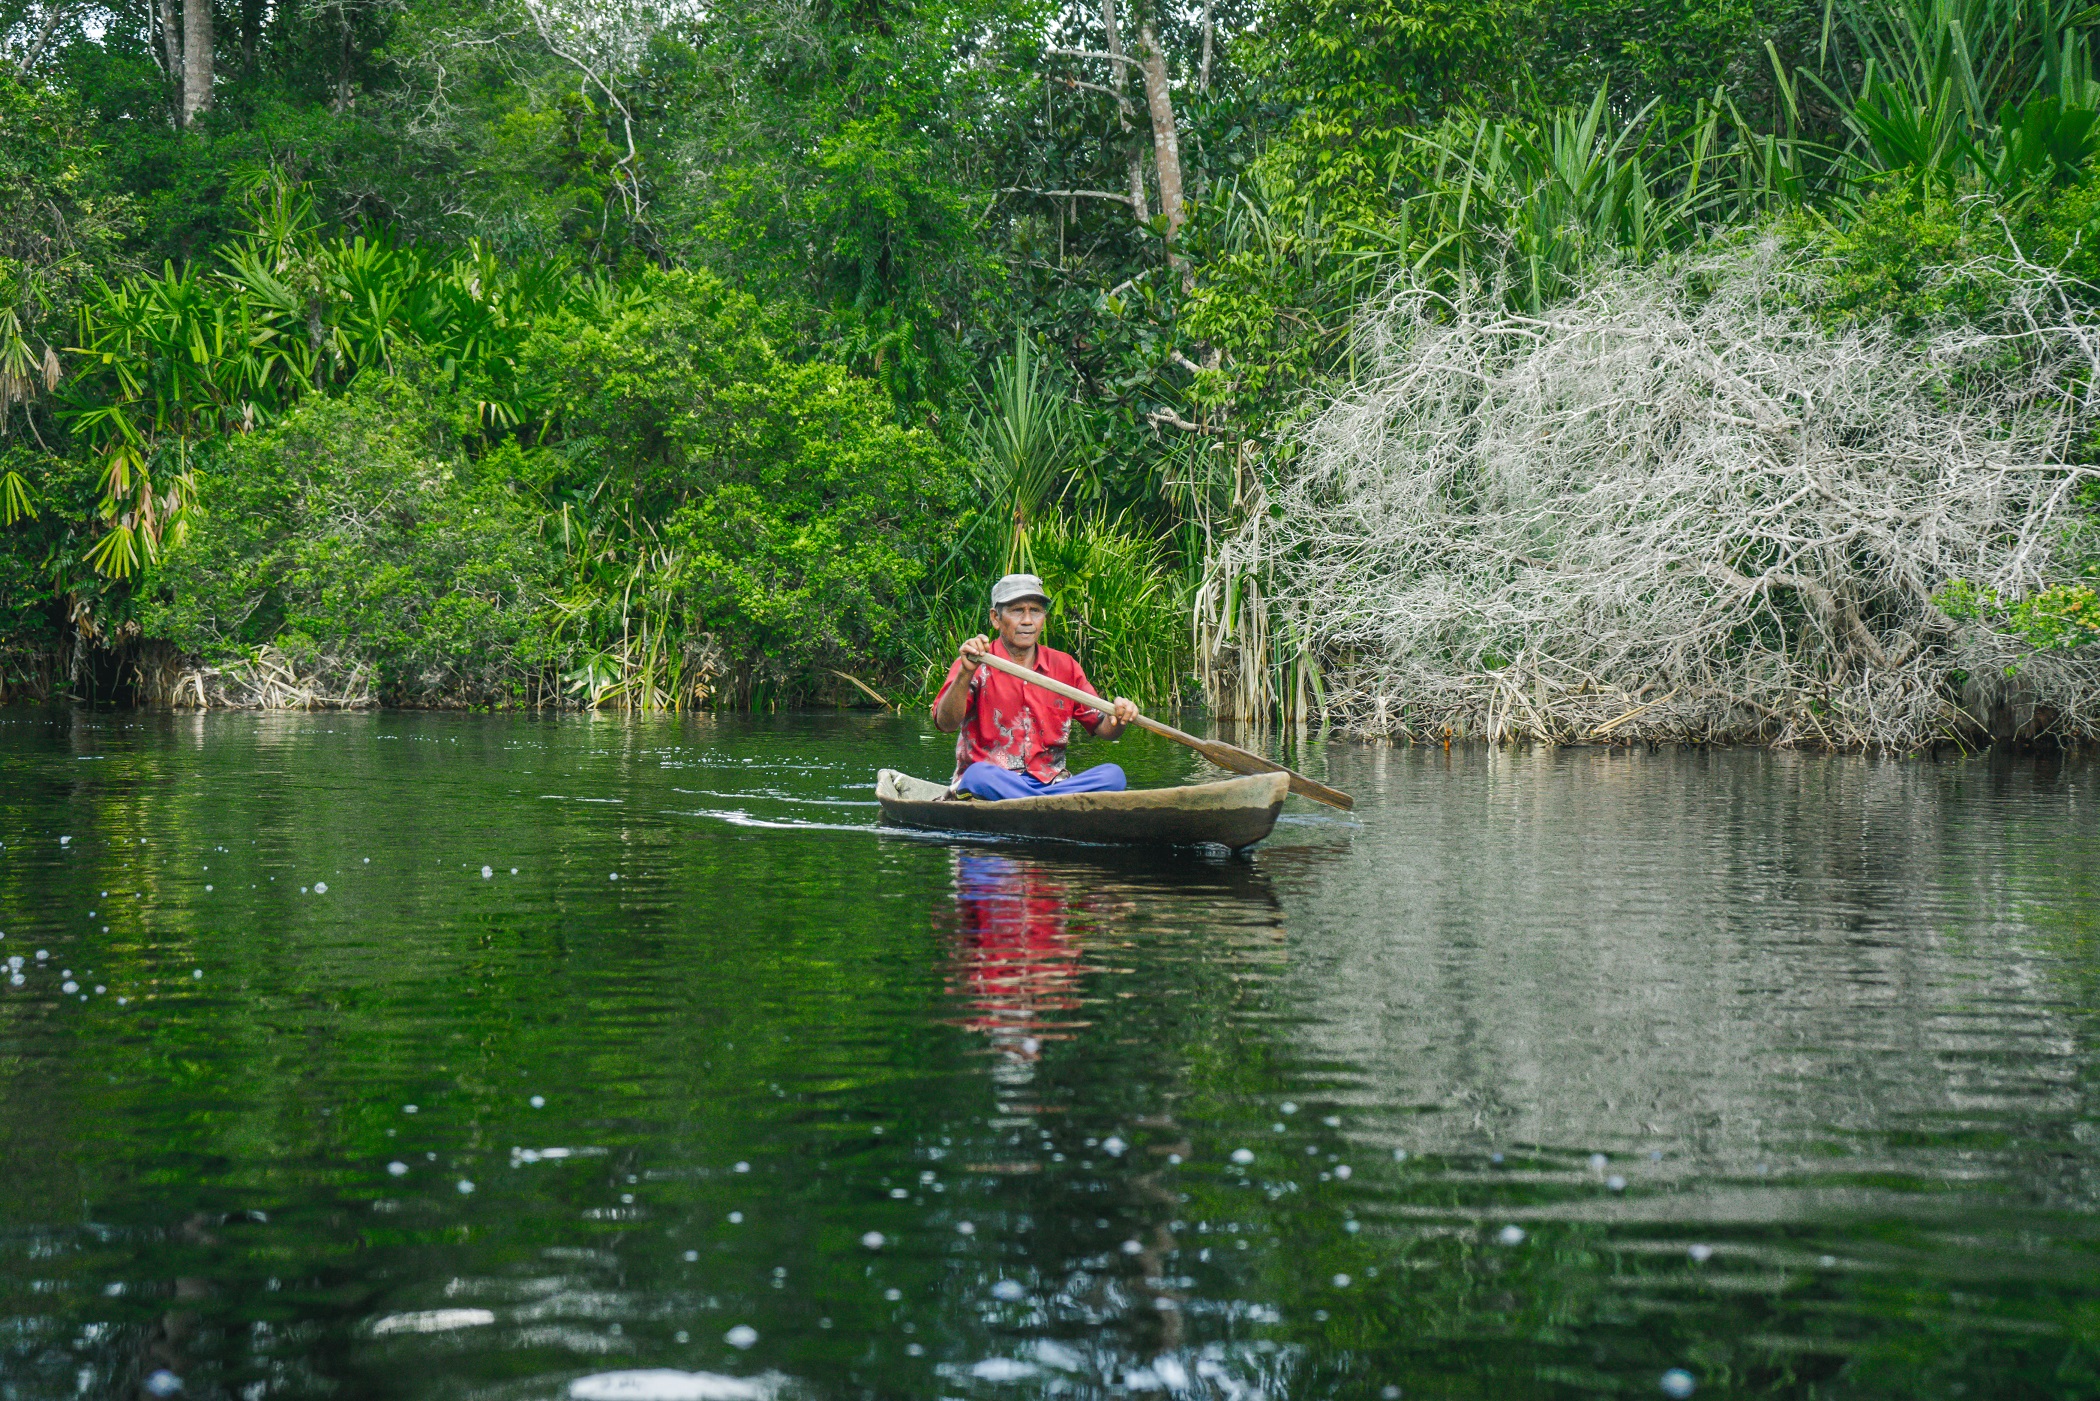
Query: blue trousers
<point>991,781</point>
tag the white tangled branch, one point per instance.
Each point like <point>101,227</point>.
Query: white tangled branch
<point>1674,507</point>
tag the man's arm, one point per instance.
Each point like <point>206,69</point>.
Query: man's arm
<point>1111,725</point>
<point>953,705</point>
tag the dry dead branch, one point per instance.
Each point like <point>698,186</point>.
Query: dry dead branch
<point>1678,485</point>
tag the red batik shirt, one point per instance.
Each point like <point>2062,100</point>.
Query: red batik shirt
<point>1016,725</point>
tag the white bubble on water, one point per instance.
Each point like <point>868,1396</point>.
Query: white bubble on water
<point>1243,1156</point>
<point>1288,1107</point>
<point>613,876</point>
<point>1827,1261</point>
<point>320,887</point>
<point>1390,1393</point>
<point>741,1167</point>
<point>514,870</point>
<point>1343,1171</point>
<point>69,986</point>
<point>965,1228</point>
<point>42,954</point>
<point>741,1336</point>
<point>736,1218</point>
<point>1114,1147</point>
<point>207,890</point>
<point>1678,1384</point>
<point>692,1257</point>
<point>1342,1281</point>
<point>1131,1247</point>
<point>538,1101</point>
<point>893,1295</point>
<point>465,1187</point>
<point>1004,1369</point>
<point>68,841</point>
<point>196,972</point>
<point>100,989</point>
<point>162,1382</point>
<point>1010,1290</point>
<point>1700,1253</point>
<point>488,872</point>
<point>1511,1235</point>
<point>408,1109</point>
<point>1615,1183</point>
<point>1352,1227</point>
<point>872,1240</point>
<point>1597,1162</point>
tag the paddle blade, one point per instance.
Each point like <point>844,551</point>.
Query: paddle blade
<point>1238,760</point>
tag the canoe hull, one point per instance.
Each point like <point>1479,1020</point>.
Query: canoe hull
<point>1236,813</point>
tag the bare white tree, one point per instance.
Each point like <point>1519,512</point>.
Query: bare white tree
<point>37,28</point>
<point>1675,506</point>
<point>604,41</point>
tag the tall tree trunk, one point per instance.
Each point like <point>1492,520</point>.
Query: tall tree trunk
<point>171,49</point>
<point>1166,137</point>
<point>342,63</point>
<point>1203,70</point>
<point>196,58</point>
<point>1121,79</point>
<point>251,32</point>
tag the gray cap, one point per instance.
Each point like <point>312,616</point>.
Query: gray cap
<point>1015,587</point>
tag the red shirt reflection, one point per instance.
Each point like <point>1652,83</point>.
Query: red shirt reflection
<point>1017,960</point>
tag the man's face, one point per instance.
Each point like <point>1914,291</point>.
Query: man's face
<point>1020,623</point>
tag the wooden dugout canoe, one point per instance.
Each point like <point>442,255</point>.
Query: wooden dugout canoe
<point>1236,813</point>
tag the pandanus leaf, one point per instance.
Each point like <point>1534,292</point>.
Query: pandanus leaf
<point>15,499</point>
<point>116,554</point>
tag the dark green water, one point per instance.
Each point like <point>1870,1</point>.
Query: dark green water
<point>680,1030</point>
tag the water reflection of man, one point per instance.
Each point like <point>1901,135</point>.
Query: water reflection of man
<point>1017,958</point>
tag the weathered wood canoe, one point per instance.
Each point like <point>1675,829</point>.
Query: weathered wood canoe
<point>1236,813</point>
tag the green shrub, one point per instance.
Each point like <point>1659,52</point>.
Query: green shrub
<point>778,509</point>
<point>359,531</point>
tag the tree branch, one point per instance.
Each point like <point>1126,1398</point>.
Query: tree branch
<point>1119,198</point>
<point>1091,53</point>
<point>1122,99</point>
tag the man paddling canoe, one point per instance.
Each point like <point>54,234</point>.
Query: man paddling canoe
<point>1010,736</point>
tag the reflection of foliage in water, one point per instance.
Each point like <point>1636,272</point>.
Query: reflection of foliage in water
<point>773,999</point>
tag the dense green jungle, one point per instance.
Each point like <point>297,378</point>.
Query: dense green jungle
<point>1517,369</point>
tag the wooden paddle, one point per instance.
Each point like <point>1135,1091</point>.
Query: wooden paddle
<point>1225,756</point>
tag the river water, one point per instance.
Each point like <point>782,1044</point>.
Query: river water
<point>497,1057</point>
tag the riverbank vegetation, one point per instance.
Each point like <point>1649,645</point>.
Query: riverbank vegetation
<point>1506,368</point>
